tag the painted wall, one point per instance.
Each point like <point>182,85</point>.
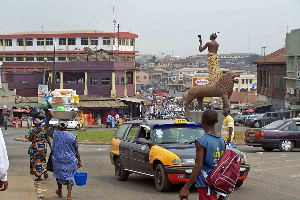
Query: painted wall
<point>293,42</point>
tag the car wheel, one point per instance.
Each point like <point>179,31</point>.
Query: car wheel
<point>256,124</point>
<point>286,145</point>
<point>120,173</point>
<point>77,127</point>
<point>239,183</point>
<point>268,148</point>
<point>162,182</point>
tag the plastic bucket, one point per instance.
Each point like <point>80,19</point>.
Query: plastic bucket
<point>80,178</point>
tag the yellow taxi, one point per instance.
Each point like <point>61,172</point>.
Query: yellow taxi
<point>163,149</point>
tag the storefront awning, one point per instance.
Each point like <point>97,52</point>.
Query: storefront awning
<point>294,107</point>
<point>131,99</point>
<point>101,104</point>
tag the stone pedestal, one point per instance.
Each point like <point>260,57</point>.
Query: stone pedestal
<point>195,116</point>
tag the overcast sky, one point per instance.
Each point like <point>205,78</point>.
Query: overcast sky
<point>164,25</point>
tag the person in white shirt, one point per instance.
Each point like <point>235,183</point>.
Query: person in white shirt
<point>4,164</point>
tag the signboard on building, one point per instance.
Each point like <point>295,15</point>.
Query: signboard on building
<point>42,91</point>
<point>197,81</point>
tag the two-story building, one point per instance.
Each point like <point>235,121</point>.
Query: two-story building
<point>271,85</point>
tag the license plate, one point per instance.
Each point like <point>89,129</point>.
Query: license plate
<point>251,134</point>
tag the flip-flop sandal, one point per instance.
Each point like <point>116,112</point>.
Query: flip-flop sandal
<point>46,175</point>
<point>59,194</point>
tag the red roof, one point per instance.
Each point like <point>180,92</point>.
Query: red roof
<point>278,56</point>
<point>244,97</point>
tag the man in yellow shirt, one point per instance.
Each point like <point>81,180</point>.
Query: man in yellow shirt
<point>227,126</point>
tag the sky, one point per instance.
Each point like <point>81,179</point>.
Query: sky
<point>164,26</point>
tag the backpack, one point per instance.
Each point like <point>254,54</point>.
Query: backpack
<point>224,175</point>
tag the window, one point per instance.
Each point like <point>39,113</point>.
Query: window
<point>145,77</point>
<point>246,81</point>
<point>122,81</point>
<point>121,131</point>
<point>94,41</point>
<point>129,77</point>
<point>62,41</point>
<point>243,81</point>
<point>106,40</point>
<point>62,58</point>
<point>84,41</point>
<point>123,41</point>
<point>105,81</point>
<point>20,42</point>
<point>71,41</point>
<point>29,58</point>
<point>93,81</point>
<point>19,59</point>
<point>250,81</point>
<point>1,58</point>
<point>275,115</point>
<point>132,133</point>
<point>50,59</point>
<point>9,58</point>
<point>127,42</point>
<point>39,58</point>
<point>279,81</point>
<point>49,41</point>
<point>291,127</point>
<point>8,42</point>
<point>40,42</point>
<point>1,42</point>
<point>117,81</point>
<point>29,41</point>
<point>131,42</point>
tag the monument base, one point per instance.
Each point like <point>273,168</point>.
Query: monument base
<point>196,116</point>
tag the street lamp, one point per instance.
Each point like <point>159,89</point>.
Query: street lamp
<point>45,65</point>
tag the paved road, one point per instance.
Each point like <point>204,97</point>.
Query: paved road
<point>274,175</point>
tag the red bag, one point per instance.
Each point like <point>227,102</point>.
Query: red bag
<point>223,177</point>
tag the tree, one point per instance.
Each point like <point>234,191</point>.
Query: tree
<point>152,59</point>
<point>253,57</point>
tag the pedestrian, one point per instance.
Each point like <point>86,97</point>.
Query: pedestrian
<point>117,117</point>
<point>38,149</point>
<point>227,126</point>
<point>4,164</point>
<point>5,120</point>
<point>65,158</point>
<point>209,149</point>
<point>110,121</point>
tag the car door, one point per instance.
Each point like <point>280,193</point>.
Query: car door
<point>126,145</point>
<point>267,118</point>
<point>296,134</point>
<point>140,153</point>
<point>288,133</point>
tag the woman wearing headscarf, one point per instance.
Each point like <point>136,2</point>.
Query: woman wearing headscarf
<point>65,158</point>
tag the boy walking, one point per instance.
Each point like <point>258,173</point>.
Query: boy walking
<point>209,148</point>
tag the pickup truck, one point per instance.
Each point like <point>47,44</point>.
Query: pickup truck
<point>269,117</point>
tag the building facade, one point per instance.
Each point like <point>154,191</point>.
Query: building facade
<point>271,85</point>
<point>64,46</point>
<point>246,83</point>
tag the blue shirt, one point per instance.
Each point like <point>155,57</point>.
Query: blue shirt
<point>215,147</point>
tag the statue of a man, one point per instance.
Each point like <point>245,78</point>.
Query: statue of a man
<point>213,63</point>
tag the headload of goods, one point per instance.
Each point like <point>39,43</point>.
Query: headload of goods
<point>63,102</point>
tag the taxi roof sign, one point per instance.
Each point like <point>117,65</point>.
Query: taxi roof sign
<point>180,121</point>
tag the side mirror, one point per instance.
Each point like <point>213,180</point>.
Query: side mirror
<point>143,141</point>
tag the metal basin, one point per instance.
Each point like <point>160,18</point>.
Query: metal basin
<point>63,114</point>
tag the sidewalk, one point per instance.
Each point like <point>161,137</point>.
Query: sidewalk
<point>19,187</point>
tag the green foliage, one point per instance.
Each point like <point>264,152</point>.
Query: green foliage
<point>253,57</point>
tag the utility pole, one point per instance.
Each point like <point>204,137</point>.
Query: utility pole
<point>44,76</point>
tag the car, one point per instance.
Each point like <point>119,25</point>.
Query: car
<point>162,149</point>
<point>281,134</point>
<point>254,120</point>
<point>239,119</point>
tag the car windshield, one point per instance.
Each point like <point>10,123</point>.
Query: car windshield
<point>274,125</point>
<point>177,133</point>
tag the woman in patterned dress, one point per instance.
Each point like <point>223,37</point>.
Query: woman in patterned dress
<point>38,150</point>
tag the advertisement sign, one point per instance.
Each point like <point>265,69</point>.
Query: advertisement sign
<point>42,91</point>
<point>197,81</point>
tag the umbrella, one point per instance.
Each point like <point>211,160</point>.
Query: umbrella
<point>250,110</point>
